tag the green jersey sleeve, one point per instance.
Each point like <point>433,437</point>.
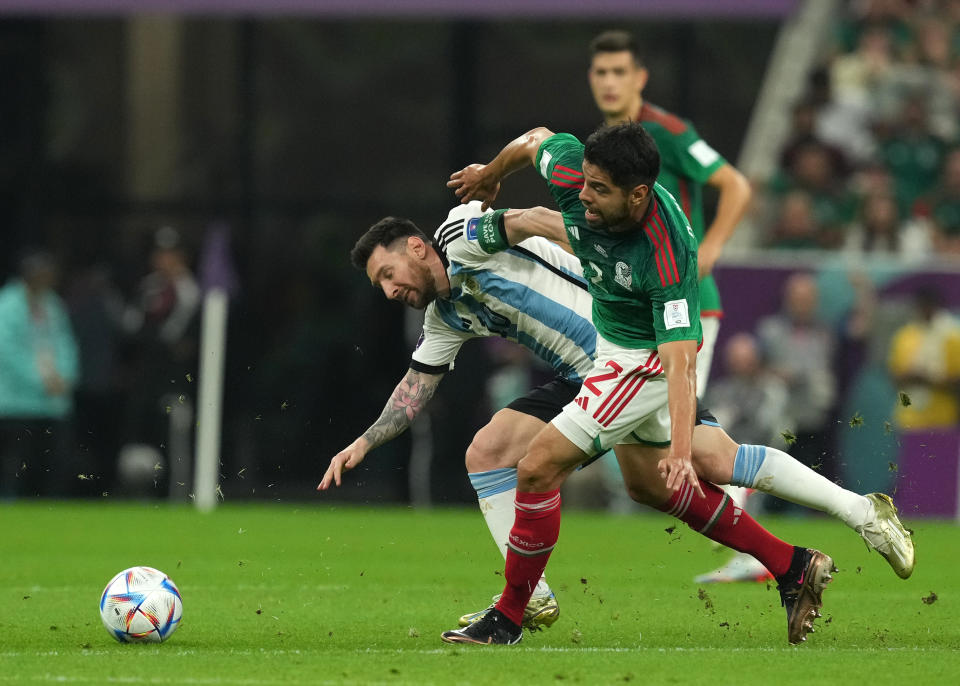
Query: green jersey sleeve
<point>560,163</point>
<point>670,277</point>
<point>676,310</point>
<point>686,155</point>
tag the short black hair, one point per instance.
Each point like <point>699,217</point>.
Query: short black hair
<point>384,233</point>
<point>616,41</point>
<point>626,152</point>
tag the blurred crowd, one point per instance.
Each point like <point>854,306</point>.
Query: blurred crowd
<point>798,380</point>
<point>93,380</point>
<point>872,163</point>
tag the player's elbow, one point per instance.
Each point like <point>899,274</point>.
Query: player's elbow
<point>535,137</point>
<point>740,185</point>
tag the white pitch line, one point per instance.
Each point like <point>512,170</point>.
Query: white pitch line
<point>447,650</point>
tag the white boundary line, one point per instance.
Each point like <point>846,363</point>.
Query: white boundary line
<point>445,650</point>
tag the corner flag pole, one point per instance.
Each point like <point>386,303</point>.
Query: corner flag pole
<point>218,278</point>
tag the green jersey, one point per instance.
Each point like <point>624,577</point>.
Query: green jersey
<point>686,162</point>
<point>644,281</point>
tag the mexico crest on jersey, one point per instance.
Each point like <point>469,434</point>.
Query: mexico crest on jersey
<point>623,275</point>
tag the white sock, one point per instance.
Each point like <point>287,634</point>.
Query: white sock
<point>496,494</point>
<point>773,471</point>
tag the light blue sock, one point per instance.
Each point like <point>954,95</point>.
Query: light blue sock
<point>495,481</point>
<point>747,464</point>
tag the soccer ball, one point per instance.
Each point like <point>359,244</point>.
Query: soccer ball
<point>141,605</point>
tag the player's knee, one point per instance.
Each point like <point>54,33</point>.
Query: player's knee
<point>489,451</point>
<point>537,472</point>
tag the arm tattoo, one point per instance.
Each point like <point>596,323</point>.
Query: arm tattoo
<point>409,397</point>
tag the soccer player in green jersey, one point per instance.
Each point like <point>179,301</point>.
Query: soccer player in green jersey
<point>617,78</point>
<point>638,255</point>
<point>687,162</point>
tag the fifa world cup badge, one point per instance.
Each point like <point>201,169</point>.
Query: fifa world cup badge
<point>676,314</point>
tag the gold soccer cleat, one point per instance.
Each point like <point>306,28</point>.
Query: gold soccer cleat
<point>886,534</point>
<point>803,597</point>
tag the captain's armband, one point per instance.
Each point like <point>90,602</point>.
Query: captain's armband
<point>491,233</point>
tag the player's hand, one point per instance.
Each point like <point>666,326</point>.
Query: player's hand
<point>475,183</point>
<point>707,256</point>
<point>345,460</point>
<point>675,470</point>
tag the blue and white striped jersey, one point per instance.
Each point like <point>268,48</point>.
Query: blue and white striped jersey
<point>533,293</point>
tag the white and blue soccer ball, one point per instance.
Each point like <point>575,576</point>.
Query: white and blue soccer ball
<point>141,605</point>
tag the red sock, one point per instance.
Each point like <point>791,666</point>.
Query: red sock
<point>720,519</point>
<point>534,533</point>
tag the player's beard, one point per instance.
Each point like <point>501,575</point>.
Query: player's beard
<point>427,292</point>
<point>608,220</point>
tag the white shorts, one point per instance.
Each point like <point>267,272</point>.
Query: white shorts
<point>711,329</point>
<point>622,400</point>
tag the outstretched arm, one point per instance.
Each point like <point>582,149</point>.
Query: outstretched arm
<point>734,196</point>
<point>409,397</point>
<point>482,181</point>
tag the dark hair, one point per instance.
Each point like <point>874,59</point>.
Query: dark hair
<point>626,152</point>
<point>384,233</point>
<point>616,41</point>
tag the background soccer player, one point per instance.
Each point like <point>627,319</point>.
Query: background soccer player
<point>687,162</point>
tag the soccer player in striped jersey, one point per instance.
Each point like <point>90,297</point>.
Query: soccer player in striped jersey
<point>533,294</point>
<point>639,256</point>
<point>537,294</point>
<point>617,78</point>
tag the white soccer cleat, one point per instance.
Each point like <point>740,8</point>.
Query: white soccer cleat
<point>741,567</point>
<point>886,534</point>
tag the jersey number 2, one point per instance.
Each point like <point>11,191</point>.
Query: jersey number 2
<point>592,381</point>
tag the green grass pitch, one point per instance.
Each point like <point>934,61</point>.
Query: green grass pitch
<point>314,594</point>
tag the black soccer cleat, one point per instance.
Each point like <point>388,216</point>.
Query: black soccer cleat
<point>801,591</point>
<point>492,629</point>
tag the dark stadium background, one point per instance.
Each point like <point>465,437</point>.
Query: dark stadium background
<point>298,125</point>
<point>299,133</point>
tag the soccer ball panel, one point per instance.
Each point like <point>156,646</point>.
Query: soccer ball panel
<point>141,604</point>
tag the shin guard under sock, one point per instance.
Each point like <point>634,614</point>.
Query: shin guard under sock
<point>532,538</point>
